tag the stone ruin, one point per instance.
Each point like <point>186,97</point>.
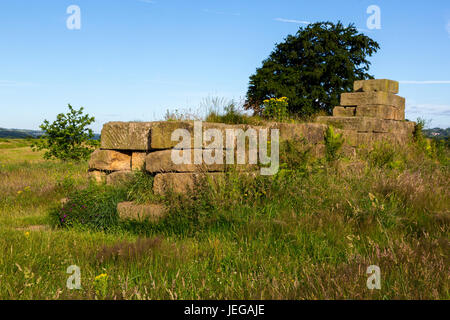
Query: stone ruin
<point>373,112</point>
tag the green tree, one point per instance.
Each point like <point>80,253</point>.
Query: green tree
<point>312,68</point>
<point>68,137</point>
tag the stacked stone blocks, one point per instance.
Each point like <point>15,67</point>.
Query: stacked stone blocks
<point>373,112</point>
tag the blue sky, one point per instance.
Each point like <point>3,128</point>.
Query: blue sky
<point>135,59</point>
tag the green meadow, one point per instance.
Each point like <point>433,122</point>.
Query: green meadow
<point>309,232</point>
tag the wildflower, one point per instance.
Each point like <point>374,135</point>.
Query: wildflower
<point>27,234</point>
<point>19,192</point>
<point>101,277</point>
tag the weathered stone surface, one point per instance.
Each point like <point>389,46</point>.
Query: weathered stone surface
<point>383,85</point>
<point>161,133</point>
<point>138,160</point>
<point>186,182</point>
<point>344,111</point>
<point>126,135</point>
<point>161,161</point>
<point>97,176</point>
<point>379,111</point>
<point>356,139</point>
<point>109,160</point>
<point>311,132</point>
<point>366,124</point>
<point>131,210</point>
<point>119,177</point>
<point>375,97</point>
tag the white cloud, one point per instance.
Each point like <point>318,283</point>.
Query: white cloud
<point>292,21</point>
<point>426,82</point>
<point>432,109</point>
<point>437,115</point>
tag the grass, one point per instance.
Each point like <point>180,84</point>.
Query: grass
<point>309,232</point>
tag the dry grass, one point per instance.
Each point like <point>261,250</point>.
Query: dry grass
<point>303,235</point>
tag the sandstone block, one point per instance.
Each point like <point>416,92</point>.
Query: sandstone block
<point>126,135</point>
<point>138,160</point>
<point>130,210</point>
<point>97,176</point>
<point>344,111</point>
<point>109,160</point>
<point>383,85</point>
<point>161,161</point>
<point>161,133</point>
<point>374,97</point>
<point>379,111</point>
<point>311,132</point>
<point>367,124</point>
<point>186,182</point>
<point>119,177</point>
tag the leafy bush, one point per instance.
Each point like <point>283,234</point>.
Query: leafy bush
<point>276,108</point>
<point>333,143</point>
<point>68,137</point>
<point>94,207</point>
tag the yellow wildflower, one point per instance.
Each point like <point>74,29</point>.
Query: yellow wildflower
<point>101,277</point>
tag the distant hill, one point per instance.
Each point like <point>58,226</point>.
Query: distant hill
<point>437,133</point>
<point>19,133</point>
<point>24,134</point>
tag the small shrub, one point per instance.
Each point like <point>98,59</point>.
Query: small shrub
<point>333,143</point>
<point>101,285</point>
<point>68,137</point>
<point>94,207</point>
<point>294,154</point>
<point>276,109</point>
<point>382,155</point>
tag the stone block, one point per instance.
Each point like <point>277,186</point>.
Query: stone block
<point>379,111</point>
<point>138,161</point>
<point>119,177</point>
<point>367,124</point>
<point>383,85</point>
<point>109,160</point>
<point>161,161</point>
<point>126,135</point>
<point>186,182</point>
<point>374,97</point>
<point>311,132</point>
<point>161,133</point>
<point>344,111</point>
<point>131,210</point>
<point>97,176</point>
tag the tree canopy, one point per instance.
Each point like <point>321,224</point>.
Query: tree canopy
<point>312,68</point>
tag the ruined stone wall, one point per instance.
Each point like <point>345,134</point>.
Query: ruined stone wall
<point>373,112</point>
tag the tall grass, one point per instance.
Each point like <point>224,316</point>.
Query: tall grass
<point>308,232</point>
